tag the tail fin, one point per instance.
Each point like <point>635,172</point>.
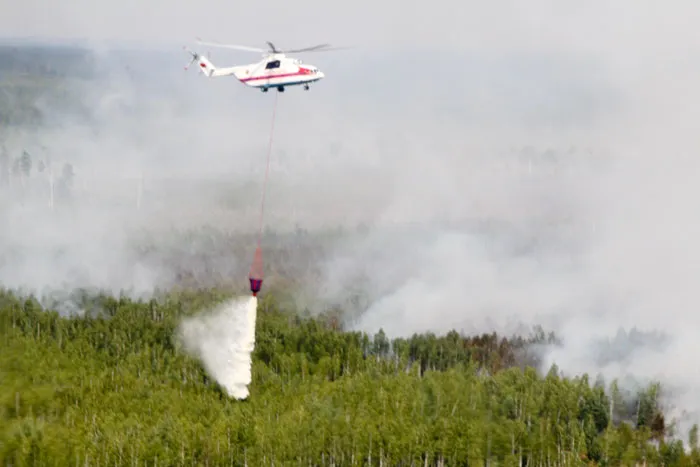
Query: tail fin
<point>205,66</point>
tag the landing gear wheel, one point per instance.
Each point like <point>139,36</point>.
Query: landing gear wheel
<point>280,88</point>
<point>306,87</point>
<point>263,89</point>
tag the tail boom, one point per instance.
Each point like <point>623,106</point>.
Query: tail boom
<point>210,70</point>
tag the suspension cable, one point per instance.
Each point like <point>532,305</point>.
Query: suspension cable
<point>256,268</point>
<point>267,169</point>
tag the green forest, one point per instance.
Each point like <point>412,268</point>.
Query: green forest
<point>114,387</point>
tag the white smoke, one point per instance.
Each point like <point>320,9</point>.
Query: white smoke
<point>224,341</point>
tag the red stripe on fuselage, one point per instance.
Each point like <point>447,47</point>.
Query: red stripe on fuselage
<point>301,72</point>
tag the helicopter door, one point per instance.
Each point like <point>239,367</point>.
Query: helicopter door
<point>272,68</point>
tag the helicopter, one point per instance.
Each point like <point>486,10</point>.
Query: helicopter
<point>275,70</point>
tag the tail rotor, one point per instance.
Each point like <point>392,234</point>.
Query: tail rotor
<point>195,57</point>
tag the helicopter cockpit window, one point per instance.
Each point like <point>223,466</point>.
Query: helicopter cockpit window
<point>272,64</point>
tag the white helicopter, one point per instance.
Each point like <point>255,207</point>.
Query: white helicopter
<point>275,70</point>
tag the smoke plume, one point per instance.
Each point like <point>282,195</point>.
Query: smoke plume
<point>537,167</point>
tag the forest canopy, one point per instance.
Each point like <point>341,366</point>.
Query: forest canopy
<point>114,386</point>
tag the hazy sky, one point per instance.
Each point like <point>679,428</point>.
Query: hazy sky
<point>601,27</point>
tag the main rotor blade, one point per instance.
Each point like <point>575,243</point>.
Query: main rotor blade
<point>231,46</point>
<point>308,49</point>
<point>317,48</point>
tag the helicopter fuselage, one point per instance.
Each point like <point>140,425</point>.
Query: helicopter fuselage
<point>278,71</point>
<point>274,71</point>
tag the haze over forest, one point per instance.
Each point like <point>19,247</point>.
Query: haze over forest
<point>492,168</point>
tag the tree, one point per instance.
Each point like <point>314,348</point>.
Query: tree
<point>26,163</point>
<point>693,437</point>
<point>4,165</point>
